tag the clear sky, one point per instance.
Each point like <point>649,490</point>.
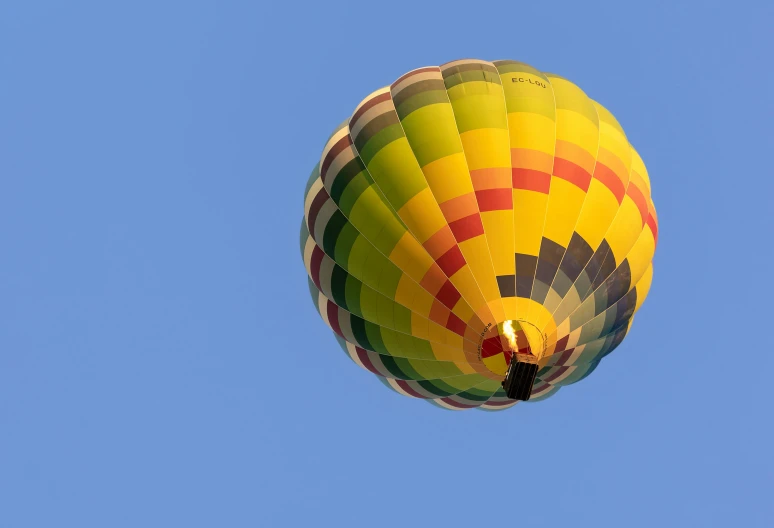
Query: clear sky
<point>161,363</point>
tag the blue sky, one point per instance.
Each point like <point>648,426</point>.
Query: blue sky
<point>153,157</point>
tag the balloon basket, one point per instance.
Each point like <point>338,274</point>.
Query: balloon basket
<point>520,377</point>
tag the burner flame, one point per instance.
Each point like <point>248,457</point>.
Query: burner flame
<point>510,333</point>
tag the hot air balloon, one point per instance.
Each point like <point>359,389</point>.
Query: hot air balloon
<point>478,234</point>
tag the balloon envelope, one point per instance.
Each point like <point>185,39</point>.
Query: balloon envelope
<point>472,214</point>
